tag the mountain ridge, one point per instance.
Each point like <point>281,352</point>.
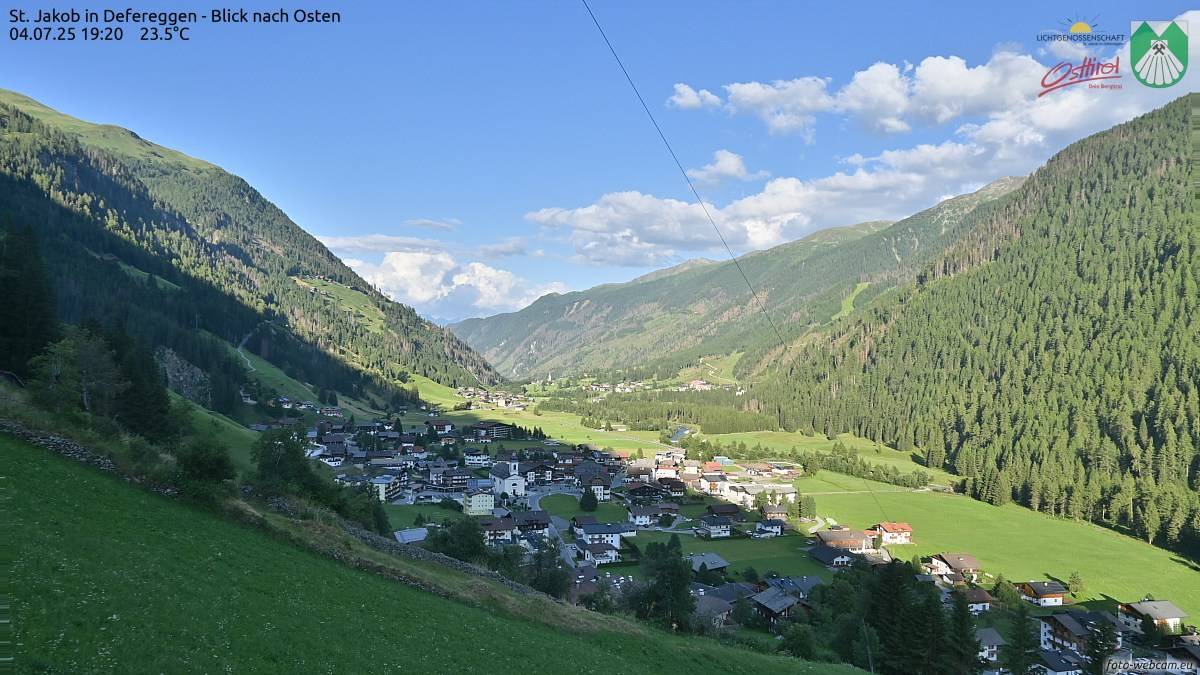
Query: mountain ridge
<point>669,320</point>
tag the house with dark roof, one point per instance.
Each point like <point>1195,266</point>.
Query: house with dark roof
<point>499,531</point>
<point>533,522</point>
<point>714,609</point>
<point>601,553</point>
<point>732,592</point>
<point>1165,615</point>
<point>608,533</point>
<point>800,587</point>
<point>962,564</point>
<point>727,510</point>
<point>831,557</point>
<point>773,604</point>
<point>710,561</point>
<point>1060,663</point>
<point>1043,593</point>
<point>768,528</point>
<point>854,541</point>
<point>714,527</point>
<point>978,600</point>
<point>990,642</point>
<point>1072,628</point>
<point>773,511</point>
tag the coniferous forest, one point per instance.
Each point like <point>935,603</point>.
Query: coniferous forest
<point>1052,357</point>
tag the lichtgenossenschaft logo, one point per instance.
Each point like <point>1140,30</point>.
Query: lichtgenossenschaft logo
<point>1158,51</point>
<point>1086,32</point>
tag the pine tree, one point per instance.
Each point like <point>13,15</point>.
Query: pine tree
<point>962,646</point>
<point>1102,642</point>
<point>1019,655</point>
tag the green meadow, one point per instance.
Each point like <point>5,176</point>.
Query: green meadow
<point>785,555</point>
<point>1022,544</point>
<point>567,506</point>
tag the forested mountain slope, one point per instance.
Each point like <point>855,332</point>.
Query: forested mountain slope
<point>1053,355</point>
<point>705,309</point>
<point>182,251</point>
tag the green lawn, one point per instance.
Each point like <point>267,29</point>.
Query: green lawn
<point>105,577</point>
<point>563,427</point>
<point>1023,544</point>
<point>402,517</point>
<point>779,554</point>
<point>567,506</point>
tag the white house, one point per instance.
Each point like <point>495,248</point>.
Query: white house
<point>978,600</point>
<point>604,533</point>
<point>894,533</point>
<point>477,458</point>
<point>714,527</point>
<point>478,503</point>
<point>601,488</point>
<point>1043,593</point>
<point>387,486</point>
<point>769,528</point>
<point>1166,616</point>
<point>990,643</point>
<point>601,553</point>
<point>644,516</point>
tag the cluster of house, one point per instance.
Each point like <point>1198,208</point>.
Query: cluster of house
<point>496,399</point>
<point>286,403</point>
<point>748,486</point>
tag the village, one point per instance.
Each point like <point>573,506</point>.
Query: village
<point>597,509</point>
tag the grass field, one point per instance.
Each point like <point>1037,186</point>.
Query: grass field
<point>231,434</point>
<point>848,301</point>
<point>779,554</point>
<point>348,299</point>
<point>560,426</point>
<point>402,517</point>
<point>825,482</point>
<point>107,578</point>
<point>1022,544</point>
<point>567,506</point>
<point>869,450</point>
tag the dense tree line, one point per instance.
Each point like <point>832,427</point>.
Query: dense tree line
<point>1054,358</point>
<point>715,412</point>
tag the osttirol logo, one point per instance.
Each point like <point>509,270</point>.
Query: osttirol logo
<point>1159,56</point>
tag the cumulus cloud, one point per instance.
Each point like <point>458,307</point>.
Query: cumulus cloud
<point>438,284</point>
<point>784,105</point>
<point>688,98</point>
<point>725,164</point>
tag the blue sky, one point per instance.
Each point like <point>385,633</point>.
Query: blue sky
<point>466,157</point>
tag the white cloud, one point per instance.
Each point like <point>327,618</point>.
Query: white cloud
<point>511,246</point>
<point>878,94</point>
<point>379,243</point>
<point>725,164</point>
<point>434,224</point>
<point>437,284</point>
<point>786,106</point>
<point>688,98</point>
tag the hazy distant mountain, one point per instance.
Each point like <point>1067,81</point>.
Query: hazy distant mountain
<point>672,316</point>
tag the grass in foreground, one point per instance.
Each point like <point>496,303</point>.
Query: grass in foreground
<point>106,577</point>
<point>1023,544</point>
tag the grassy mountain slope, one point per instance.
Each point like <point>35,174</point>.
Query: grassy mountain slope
<point>1053,355</point>
<point>108,577</point>
<point>201,249</point>
<point>707,309</point>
